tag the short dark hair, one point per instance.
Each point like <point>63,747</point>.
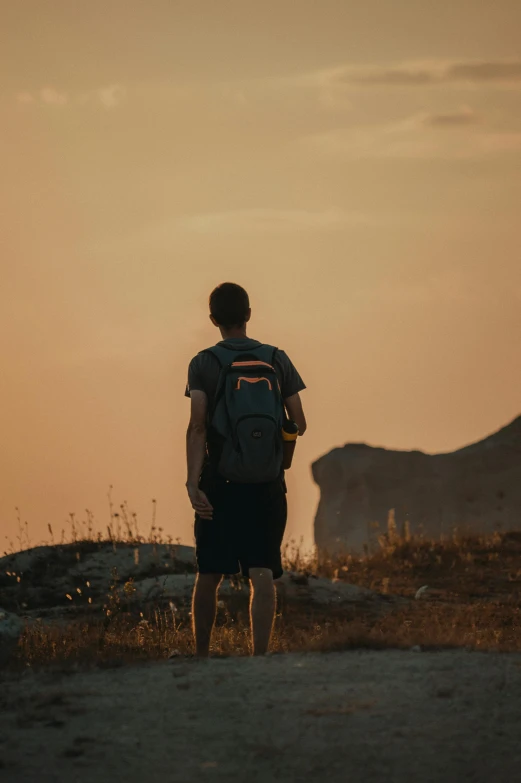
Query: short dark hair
<point>229,305</point>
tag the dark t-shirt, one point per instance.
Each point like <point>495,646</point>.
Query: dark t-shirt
<point>203,371</point>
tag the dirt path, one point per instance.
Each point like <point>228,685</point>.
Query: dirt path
<point>346,717</point>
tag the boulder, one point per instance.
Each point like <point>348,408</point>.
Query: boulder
<point>476,489</point>
<point>322,591</point>
<point>292,586</point>
<point>71,574</point>
<point>10,629</point>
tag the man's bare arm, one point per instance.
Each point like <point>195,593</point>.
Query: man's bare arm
<point>196,451</point>
<point>296,412</point>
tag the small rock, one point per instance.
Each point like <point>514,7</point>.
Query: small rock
<point>416,648</point>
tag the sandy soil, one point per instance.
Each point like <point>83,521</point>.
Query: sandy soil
<point>354,716</point>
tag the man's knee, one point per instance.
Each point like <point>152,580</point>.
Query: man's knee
<point>261,579</point>
<point>209,581</point>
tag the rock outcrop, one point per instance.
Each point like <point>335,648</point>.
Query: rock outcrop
<point>69,575</point>
<point>473,489</point>
<point>291,586</point>
<point>66,581</point>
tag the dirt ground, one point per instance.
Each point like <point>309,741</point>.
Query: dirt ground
<point>351,716</point>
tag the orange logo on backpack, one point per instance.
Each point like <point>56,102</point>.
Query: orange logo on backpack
<point>252,380</point>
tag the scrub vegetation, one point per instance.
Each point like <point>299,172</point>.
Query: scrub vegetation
<point>456,593</point>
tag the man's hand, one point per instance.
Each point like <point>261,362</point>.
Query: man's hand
<point>200,502</point>
<point>296,412</point>
<point>195,453</point>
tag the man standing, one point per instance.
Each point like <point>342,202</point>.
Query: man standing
<point>241,393</point>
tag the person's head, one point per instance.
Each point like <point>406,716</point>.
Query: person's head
<point>229,307</point>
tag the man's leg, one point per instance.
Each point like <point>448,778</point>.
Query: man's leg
<point>262,608</point>
<point>204,607</point>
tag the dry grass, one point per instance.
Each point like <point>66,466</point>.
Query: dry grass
<point>458,569</point>
<point>471,600</point>
<point>427,624</point>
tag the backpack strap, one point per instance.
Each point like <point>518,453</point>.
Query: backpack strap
<point>266,353</point>
<point>224,357</point>
<point>227,354</point>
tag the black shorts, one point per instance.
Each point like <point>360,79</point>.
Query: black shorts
<point>246,530</point>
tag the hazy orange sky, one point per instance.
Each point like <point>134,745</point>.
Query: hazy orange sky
<point>356,166</point>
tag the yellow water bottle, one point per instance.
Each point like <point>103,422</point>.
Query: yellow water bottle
<point>289,437</point>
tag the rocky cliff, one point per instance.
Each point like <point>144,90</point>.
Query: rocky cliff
<point>473,489</point>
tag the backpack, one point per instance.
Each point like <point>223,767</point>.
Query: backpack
<point>247,415</point>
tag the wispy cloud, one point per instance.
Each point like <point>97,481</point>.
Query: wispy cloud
<point>267,220</point>
<point>455,135</point>
<point>161,235</point>
<point>463,116</point>
<point>336,87</point>
<point>108,96</point>
<point>25,97</point>
<point>499,71</point>
<point>434,72</point>
<point>47,96</point>
<point>53,97</point>
<point>111,96</point>
<point>408,77</point>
